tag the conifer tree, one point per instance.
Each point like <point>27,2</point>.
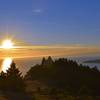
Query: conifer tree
<point>14,79</point>
<point>43,61</point>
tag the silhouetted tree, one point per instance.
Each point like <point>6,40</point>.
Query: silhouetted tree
<point>43,61</point>
<point>14,79</point>
<point>49,60</point>
<point>2,80</point>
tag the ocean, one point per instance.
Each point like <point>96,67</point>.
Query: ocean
<point>24,64</point>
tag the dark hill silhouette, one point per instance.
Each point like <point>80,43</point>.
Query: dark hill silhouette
<point>66,75</point>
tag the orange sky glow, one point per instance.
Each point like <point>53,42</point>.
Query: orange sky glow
<point>40,51</point>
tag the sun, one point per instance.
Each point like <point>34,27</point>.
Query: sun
<point>7,44</point>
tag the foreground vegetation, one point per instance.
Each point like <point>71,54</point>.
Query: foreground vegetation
<point>61,79</point>
<point>12,85</point>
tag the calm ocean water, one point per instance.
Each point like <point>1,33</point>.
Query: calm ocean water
<point>24,64</point>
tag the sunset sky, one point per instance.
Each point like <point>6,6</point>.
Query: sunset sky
<point>64,27</point>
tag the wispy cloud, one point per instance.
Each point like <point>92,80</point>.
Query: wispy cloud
<point>37,11</point>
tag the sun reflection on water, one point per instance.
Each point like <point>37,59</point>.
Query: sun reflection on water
<point>6,64</point>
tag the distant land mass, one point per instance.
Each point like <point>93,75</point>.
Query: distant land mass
<point>92,61</point>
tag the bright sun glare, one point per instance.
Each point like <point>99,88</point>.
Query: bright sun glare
<point>6,64</point>
<point>7,44</point>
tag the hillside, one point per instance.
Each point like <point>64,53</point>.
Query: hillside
<point>66,76</point>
